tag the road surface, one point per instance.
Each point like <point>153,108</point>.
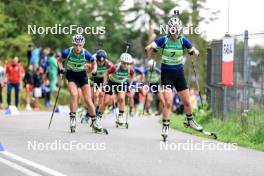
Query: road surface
<point>29,148</point>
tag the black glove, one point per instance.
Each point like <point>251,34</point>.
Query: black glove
<point>62,71</point>
<point>94,74</point>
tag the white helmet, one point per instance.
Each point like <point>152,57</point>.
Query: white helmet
<point>175,23</point>
<point>78,39</point>
<point>127,58</point>
<point>151,63</point>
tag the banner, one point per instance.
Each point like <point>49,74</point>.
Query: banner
<point>228,61</point>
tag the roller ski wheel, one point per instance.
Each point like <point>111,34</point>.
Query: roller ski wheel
<point>186,125</point>
<point>100,131</point>
<point>164,137</point>
<point>214,135</point>
<point>72,129</point>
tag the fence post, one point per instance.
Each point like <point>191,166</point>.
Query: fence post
<point>262,80</point>
<point>209,76</point>
<point>224,104</point>
<point>246,73</point>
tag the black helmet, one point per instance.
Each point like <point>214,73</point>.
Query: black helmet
<point>101,55</point>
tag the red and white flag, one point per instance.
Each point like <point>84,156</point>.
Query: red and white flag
<point>228,61</point>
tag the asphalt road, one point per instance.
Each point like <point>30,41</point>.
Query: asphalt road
<point>135,151</point>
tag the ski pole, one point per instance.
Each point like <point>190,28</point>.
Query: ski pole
<point>62,79</point>
<point>127,46</point>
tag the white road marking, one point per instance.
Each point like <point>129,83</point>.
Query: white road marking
<point>19,168</point>
<point>33,164</point>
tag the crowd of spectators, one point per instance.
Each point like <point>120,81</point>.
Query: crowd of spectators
<point>37,78</point>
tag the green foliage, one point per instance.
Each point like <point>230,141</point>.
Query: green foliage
<point>15,16</point>
<point>249,133</point>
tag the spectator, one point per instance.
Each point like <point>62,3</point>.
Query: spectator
<point>53,70</point>
<point>1,84</point>
<point>35,57</point>
<point>29,52</point>
<point>15,73</point>
<point>38,80</point>
<point>46,91</point>
<point>44,59</point>
<point>29,82</point>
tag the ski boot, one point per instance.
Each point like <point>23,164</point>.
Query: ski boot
<point>72,121</point>
<point>194,125</point>
<point>97,126</point>
<point>165,129</point>
<point>121,121</point>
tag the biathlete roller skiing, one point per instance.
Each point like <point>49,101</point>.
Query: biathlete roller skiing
<point>115,81</point>
<point>152,76</point>
<point>73,64</point>
<point>135,89</point>
<point>171,48</point>
<point>103,65</point>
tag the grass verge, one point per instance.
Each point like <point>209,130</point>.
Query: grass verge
<point>246,131</point>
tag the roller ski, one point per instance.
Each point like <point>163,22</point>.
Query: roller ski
<point>191,123</point>
<point>72,122</point>
<point>122,121</point>
<point>97,127</point>
<point>165,129</point>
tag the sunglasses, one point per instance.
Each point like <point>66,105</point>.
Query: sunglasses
<point>124,63</point>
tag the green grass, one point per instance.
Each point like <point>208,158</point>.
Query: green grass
<point>249,134</point>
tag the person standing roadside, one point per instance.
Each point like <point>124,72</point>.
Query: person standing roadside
<point>1,84</point>
<point>14,74</point>
<point>29,83</point>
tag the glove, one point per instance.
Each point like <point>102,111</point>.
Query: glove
<point>193,51</point>
<point>94,74</point>
<point>62,71</point>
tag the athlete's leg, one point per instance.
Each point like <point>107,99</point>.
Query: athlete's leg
<point>86,91</point>
<point>96,96</point>
<point>73,90</point>
<point>185,98</point>
<point>168,97</point>
<point>106,102</point>
<point>161,102</point>
<point>121,104</point>
<point>121,100</point>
